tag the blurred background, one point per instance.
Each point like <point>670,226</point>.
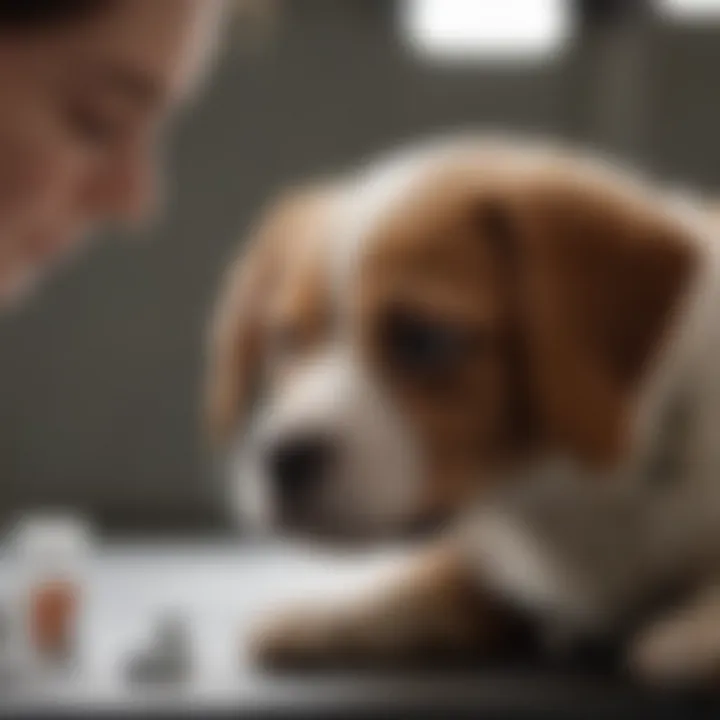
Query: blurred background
<point>100,375</point>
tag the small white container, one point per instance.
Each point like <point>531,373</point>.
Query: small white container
<point>50,559</point>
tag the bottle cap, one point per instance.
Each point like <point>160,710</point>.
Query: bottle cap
<point>52,537</point>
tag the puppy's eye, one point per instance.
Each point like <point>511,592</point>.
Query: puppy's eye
<point>420,345</point>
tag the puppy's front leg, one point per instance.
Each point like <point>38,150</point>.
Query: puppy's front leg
<point>434,611</point>
<point>683,648</point>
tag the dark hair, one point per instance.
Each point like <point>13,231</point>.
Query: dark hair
<point>39,14</point>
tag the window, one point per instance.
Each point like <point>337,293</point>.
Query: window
<point>505,30</point>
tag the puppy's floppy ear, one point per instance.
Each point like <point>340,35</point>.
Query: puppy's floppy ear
<point>236,343</point>
<point>599,274</point>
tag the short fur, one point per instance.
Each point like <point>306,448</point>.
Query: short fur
<point>589,299</point>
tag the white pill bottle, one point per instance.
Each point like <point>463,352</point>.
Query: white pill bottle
<point>52,555</point>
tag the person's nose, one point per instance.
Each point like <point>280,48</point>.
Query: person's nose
<point>128,190</point>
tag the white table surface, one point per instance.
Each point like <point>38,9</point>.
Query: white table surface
<point>222,590</point>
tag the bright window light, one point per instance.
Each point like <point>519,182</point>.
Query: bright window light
<point>690,9</point>
<point>486,29</point>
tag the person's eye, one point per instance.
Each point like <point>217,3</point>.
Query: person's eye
<point>419,345</point>
<point>96,126</point>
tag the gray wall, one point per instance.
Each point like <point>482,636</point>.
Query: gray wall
<point>99,375</point>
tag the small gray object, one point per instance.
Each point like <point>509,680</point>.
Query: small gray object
<point>6,628</point>
<point>166,659</point>
<point>10,675</point>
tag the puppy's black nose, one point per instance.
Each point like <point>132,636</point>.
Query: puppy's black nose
<point>297,465</point>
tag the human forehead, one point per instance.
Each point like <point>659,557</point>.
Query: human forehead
<point>168,42</point>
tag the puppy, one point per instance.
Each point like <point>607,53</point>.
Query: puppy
<point>512,337</point>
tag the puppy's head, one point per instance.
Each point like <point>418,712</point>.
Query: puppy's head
<point>415,335</point>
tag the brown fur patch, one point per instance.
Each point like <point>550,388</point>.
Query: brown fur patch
<point>568,277</point>
<point>265,285</point>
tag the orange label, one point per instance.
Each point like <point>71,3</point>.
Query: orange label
<point>53,608</point>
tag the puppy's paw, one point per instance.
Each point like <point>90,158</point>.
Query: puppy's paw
<point>303,638</point>
<point>433,614</point>
<point>678,653</point>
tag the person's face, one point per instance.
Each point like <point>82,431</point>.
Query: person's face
<point>82,106</point>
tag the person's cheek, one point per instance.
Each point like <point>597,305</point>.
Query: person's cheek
<point>33,180</point>
<point>38,181</point>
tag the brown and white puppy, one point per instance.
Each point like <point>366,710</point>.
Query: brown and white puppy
<point>501,333</point>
